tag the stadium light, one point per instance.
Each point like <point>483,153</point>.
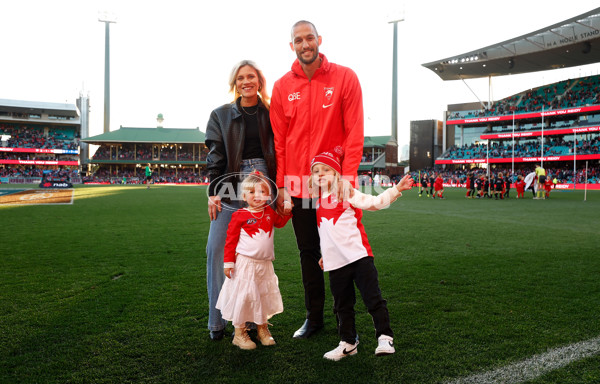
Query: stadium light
<point>107,18</point>
<point>395,81</point>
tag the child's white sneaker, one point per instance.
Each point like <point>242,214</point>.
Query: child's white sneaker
<point>385,345</point>
<point>343,349</point>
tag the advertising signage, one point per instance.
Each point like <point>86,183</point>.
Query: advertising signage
<point>519,159</point>
<point>41,150</point>
<point>520,116</point>
<point>39,162</point>
<point>564,131</point>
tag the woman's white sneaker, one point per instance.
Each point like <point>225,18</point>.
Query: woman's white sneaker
<point>343,349</point>
<point>385,345</point>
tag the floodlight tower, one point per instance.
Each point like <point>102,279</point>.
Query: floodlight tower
<point>107,18</point>
<point>395,81</point>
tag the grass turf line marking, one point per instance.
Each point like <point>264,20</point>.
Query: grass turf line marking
<point>535,366</point>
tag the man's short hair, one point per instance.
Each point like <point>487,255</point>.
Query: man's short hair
<point>304,22</point>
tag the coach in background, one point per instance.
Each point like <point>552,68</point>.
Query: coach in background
<point>240,140</point>
<point>315,107</point>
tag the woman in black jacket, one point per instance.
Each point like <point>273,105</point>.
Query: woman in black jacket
<point>240,140</point>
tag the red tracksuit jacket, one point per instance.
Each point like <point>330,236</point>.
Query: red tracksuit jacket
<point>310,117</point>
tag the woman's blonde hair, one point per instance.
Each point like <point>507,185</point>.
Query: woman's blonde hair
<point>315,190</point>
<point>262,82</point>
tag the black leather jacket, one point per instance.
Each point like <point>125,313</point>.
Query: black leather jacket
<point>225,133</point>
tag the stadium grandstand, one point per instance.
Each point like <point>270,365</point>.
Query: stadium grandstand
<point>557,125</point>
<point>49,140</point>
<point>39,140</point>
<point>179,156</point>
<point>175,155</point>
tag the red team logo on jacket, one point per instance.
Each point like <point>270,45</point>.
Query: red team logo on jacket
<point>328,93</point>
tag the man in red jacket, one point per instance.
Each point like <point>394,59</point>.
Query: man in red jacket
<point>314,108</point>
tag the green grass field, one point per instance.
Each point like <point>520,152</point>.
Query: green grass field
<point>112,289</point>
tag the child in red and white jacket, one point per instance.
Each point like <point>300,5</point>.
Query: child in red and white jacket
<point>520,185</point>
<point>346,253</point>
<point>250,294</point>
<point>438,185</point>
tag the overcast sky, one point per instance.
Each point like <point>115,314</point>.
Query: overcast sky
<point>174,57</point>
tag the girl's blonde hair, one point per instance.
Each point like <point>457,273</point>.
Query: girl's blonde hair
<point>254,179</point>
<point>315,190</point>
<point>262,82</point>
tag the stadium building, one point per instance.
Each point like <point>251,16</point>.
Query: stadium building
<point>556,124</point>
<point>39,139</point>
<point>175,155</point>
<point>179,156</point>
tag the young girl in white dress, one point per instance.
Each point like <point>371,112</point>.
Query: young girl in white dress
<point>250,293</point>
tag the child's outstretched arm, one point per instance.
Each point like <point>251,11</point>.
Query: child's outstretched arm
<point>384,199</point>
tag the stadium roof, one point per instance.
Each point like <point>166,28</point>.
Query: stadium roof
<point>570,43</point>
<point>149,135</point>
<point>376,141</point>
<point>68,110</point>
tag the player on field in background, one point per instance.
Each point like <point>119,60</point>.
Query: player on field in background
<point>431,182</point>
<point>468,185</point>
<point>498,186</point>
<point>541,179</point>
<point>438,185</point>
<point>507,181</point>
<point>424,179</point>
<point>479,187</point>
<point>148,176</point>
<point>486,187</point>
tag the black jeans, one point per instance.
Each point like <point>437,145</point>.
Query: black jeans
<point>304,220</point>
<point>363,273</point>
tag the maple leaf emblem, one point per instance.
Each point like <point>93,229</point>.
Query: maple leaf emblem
<point>329,209</point>
<point>254,226</point>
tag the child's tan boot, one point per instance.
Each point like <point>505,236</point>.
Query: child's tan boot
<point>264,335</point>
<point>242,340</point>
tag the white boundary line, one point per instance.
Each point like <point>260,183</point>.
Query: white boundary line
<point>535,366</point>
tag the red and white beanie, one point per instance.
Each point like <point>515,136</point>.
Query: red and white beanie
<point>332,159</point>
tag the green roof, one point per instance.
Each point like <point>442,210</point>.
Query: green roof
<point>376,141</point>
<point>183,136</point>
<point>149,135</point>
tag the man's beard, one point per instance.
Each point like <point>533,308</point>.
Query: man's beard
<point>311,60</point>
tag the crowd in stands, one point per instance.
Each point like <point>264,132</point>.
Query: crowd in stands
<point>368,157</point>
<point>144,153</point>
<point>27,171</point>
<point>562,95</point>
<point>562,175</point>
<point>34,137</point>
<point>552,147</point>
<point>137,176</point>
